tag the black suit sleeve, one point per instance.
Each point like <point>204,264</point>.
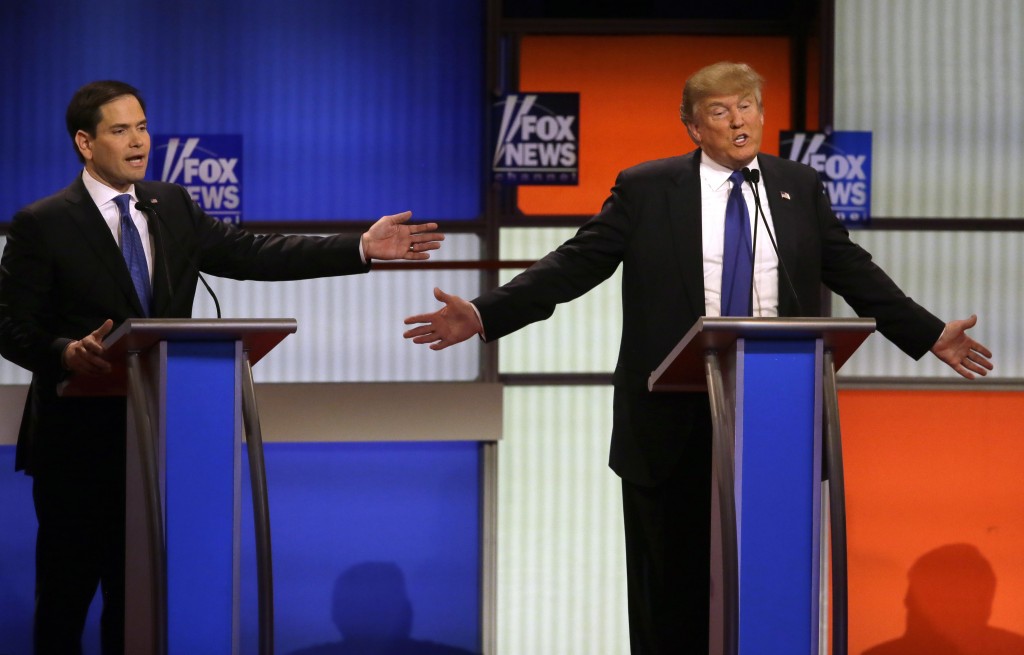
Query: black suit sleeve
<point>849,270</point>
<point>817,249</point>
<point>26,299</point>
<point>574,268</point>
<point>225,250</point>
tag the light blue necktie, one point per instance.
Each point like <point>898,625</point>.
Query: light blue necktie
<point>134,255</point>
<point>737,262</point>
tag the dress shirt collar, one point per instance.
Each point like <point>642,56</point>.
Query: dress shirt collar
<point>100,193</point>
<point>716,176</point>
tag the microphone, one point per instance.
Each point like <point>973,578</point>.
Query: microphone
<point>149,209</point>
<point>753,177</point>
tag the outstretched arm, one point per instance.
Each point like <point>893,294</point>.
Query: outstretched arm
<point>962,353</point>
<point>452,324</point>
<point>391,238</point>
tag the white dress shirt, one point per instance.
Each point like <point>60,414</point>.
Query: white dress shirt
<point>714,194</point>
<point>104,196</point>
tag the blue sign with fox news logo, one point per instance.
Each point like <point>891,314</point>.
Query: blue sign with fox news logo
<point>209,166</point>
<point>538,139</point>
<point>844,161</point>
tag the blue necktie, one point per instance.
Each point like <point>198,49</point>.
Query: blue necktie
<point>134,255</point>
<point>737,262</point>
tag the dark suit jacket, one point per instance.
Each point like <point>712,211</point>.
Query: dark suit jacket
<point>62,275</point>
<point>651,224</point>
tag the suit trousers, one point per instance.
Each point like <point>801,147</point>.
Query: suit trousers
<point>668,554</point>
<point>79,547</point>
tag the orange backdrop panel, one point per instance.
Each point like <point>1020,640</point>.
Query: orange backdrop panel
<point>926,469</point>
<point>630,88</point>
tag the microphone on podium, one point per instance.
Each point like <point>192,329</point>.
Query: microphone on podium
<point>148,208</point>
<point>753,177</point>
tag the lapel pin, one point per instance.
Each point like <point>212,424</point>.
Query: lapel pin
<point>785,195</point>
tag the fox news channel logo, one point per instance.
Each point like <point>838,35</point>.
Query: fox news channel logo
<point>538,139</point>
<point>209,166</point>
<point>844,161</point>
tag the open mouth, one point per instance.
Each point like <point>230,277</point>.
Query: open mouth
<point>137,160</point>
<point>740,140</point>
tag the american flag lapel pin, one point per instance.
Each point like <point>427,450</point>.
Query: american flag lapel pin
<point>785,195</point>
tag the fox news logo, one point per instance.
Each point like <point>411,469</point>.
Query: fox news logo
<point>208,166</point>
<point>843,159</point>
<point>538,138</point>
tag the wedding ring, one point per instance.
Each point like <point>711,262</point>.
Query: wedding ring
<point>412,247</point>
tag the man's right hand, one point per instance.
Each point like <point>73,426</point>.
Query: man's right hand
<point>452,324</point>
<point>85,356</point>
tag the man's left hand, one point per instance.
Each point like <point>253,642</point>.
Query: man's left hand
<point>391,238</point>
<point>963,354</point>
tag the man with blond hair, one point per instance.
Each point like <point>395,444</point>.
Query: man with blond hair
<point>665,223</point>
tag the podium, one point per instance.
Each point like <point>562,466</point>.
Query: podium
<point>771,385</point>
<point>189,387</point>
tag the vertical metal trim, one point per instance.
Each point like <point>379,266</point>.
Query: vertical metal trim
<point>824,563</point>
<point>827,65</point>
<point>837,505</point>
<point>154,506</point>
<point>817,575</point>
<point>723,433</point>
<point>260,510</point>
<point>489,548</point>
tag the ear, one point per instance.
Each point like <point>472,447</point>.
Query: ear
<point>84,143</point>
<point>694,132</point>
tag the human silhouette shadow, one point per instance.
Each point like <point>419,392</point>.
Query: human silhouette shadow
<point>372,610</point>
<point>949,601</point>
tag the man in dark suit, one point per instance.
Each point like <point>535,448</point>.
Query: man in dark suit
<point>664,223</point>
<point>65,283</point>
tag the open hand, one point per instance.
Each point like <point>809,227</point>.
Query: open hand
<point>963,354</point>
<point>452,324</point>
<point>391,238</point>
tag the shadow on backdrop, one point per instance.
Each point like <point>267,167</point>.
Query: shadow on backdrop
<point>949,601</point>
<point>372,610</point>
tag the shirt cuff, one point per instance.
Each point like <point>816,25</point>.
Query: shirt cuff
<point>483,334</point>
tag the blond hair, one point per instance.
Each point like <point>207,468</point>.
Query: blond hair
<point>721,79</point>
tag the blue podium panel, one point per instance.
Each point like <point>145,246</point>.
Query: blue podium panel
<point>778,474</point>
<point>202,496</point>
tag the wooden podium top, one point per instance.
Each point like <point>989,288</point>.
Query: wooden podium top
<point>683,368</point>
<point>258,337</point>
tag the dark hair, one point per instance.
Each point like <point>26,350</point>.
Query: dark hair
<point>84,108</point>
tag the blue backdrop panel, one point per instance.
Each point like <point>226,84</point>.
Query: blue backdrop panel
<point>395,525</point>
<point>17,559</point>
<point>779,478</point>
<point>371,538</point>
<point>347,110</point>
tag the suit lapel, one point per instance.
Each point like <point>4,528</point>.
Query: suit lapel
<point>684,211</point>
<point>162,292</point>
<point>785,221</point>
<point>94,231</point>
